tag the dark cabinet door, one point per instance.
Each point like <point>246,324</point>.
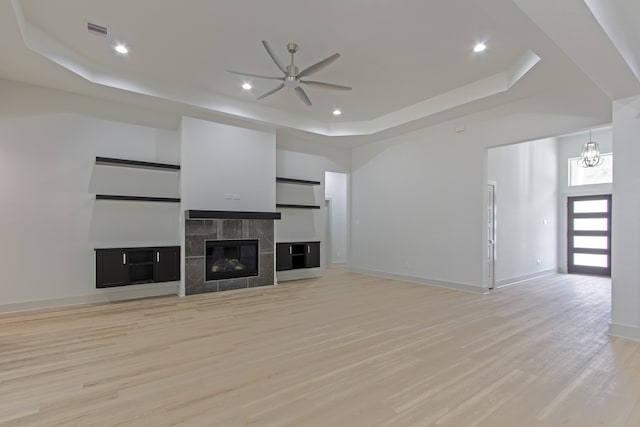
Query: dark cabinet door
<point>166,264</point>
<point>111,268</point>
<point>313,255</point>
<point>283,256</point>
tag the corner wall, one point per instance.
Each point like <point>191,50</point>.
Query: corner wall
<point>625,239</point>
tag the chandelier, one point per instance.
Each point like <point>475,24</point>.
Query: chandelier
<point>590,156</point>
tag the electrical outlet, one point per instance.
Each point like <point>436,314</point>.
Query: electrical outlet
<point>228,196</point>
<point>236,197</point>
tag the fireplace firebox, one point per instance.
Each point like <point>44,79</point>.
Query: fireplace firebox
<point>230,259</point>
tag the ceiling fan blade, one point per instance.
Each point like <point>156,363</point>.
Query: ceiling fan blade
<point>303,96</point>
<point>271,92</point>
<point>254,75</point>
<point>325,85</point>
<point>273,56</point>
<point>318,65</point>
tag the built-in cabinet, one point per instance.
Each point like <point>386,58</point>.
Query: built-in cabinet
<point>131,266</point>
<point>295,255</point>
<point>136,265</point>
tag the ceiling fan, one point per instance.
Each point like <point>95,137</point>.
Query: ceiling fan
<point>292,77</point>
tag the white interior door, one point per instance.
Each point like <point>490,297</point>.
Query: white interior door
<point>491,234</point>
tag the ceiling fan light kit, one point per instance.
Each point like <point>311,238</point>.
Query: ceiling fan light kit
<point>292,76</point>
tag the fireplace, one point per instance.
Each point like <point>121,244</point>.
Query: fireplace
<point>232,235</point>
<point>230,259</point>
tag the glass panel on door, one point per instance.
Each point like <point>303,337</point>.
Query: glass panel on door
<point>590,224</point>
<point>591,260</point>
<point>591,242</point>
<point>589,206</point>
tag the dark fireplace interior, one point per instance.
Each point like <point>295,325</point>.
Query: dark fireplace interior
<point>229,259</point>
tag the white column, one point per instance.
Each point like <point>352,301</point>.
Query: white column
<point>625,305</point>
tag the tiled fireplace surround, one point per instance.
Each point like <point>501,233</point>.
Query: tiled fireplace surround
<point>199,228</point>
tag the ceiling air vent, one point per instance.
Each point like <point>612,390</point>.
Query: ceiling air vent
<point>98,30</point>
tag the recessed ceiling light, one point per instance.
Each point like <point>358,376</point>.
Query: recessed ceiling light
<point>479,47</point>
<point>246,86</point>
<point>337,112</point>
<point>120,48</point>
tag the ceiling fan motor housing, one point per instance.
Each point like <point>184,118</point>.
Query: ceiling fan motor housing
<point>291,81</point>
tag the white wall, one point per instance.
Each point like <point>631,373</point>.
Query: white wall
<point>417,208</point>
<point>50,220</point>
<point>220,160</point>
<point>526,209</point>
<point>335,190</point>
<point>570,147</point>
<point>418,200</point>
<point>625,268</point>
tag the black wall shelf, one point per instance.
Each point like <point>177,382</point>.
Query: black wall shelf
<point>280,205</point>
<point>108,161</point>
<point>296,181</point>
<point>137,198</point>
<point>196,214</point>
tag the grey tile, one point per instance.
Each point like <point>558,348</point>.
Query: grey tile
<point>231,229</point>
<point>194,246</point>
<point>201,227</point>
<point>194,274</point>
<point>262,229</point>
<point>266,272</point>
<point>203,289</point>
<point>193,227</point>
<point>229,284</point>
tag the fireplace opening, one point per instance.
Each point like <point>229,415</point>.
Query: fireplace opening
<point>229,259</point>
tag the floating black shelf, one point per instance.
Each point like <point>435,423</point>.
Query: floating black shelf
<point>279,205</point>
<point>108,161</point>
<point>137,198</point>
<point>296,181</point>
<point>196,214</point>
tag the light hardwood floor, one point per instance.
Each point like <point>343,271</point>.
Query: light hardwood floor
<point>343,350</point>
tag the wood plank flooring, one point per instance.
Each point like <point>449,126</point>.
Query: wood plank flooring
<point>342,350</point>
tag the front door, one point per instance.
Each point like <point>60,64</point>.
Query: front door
<point>589,235</point>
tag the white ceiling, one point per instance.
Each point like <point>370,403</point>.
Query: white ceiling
<point>406,60</point>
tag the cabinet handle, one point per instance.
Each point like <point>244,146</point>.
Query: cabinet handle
<point>308,249</point>
<point>157,256</point>
<point>290,251</point>
<point>124,258</point>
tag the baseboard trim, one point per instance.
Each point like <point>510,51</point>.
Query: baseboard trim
<point>624,331</point>
<point>421,280</point>
<point>519,279</point>
<point>299,274</point>
<point>101,295</point>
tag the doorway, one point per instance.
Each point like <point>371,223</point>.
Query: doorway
<point>336,195</point>
<point>589,235</point>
